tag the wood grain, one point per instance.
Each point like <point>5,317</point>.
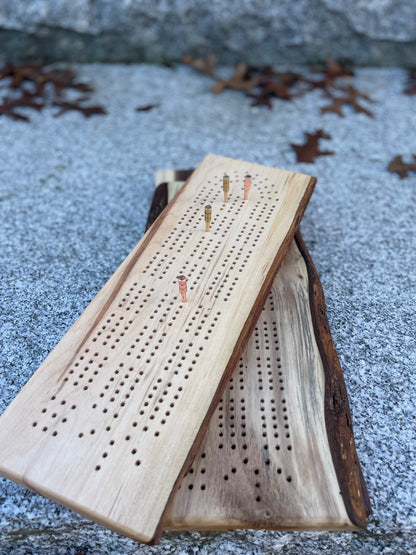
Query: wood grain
<point>337,411</point>
<point>127,394</point>
<point>279,447</point>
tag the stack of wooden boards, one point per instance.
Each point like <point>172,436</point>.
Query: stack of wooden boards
<point>228,410</point>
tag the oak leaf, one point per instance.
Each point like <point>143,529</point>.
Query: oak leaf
<point>39,76</point>
<point>279,90</point>
<point>351,99</point>
<point>333,69</point>
<point>9,106</point>
<point>206,65</point>
<point>261,99</point>
<point>88,111</point>
<point>35,81</point>
<point>310,150</point>
<point>401,168</point>
<point>241,80</point>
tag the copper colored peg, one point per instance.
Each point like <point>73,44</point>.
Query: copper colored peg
<point>208,214</point>
<point>182,287</point>
<point>226,186</point>
<point>247,185</point>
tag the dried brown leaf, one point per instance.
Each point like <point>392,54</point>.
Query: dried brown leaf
<point>334,69</point>
<point>9,106</point>
<point>88,111</point>
<point>241,80</point>
<point>206,65</point>
<point>351,99</point>
<point>310,150</point>
<point>40,75</point>
<point>31,80</point>
<point>279,90</point>
<point>401,168</point>
<point>261,99</point>
<point>147,108</point>
<point>411,82</point>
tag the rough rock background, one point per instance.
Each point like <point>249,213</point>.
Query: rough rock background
<point>368,32</point>
<point>74,196</point>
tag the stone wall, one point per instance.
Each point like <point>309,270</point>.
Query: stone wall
<point>367,32</point>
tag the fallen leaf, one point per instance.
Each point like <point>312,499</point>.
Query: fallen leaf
<point>39,75</point>
<point>289,78</point>
<point>411,77</point>
<point>8,107</point>
<point>279,90</point>
<point>351,99</point>
<point>324,84</point>
<point>334,69</point>
<point>331,72</point>
<point>147,108</point>
<point>401,168</point>
<point>262,84</point>
<point>270,87</point>
<point>88,111</point>
<point>261,99</point>
<point>32,80</point>
<point>61,79</point>
<point>310,150</point>
<point>241,80</point>
<point>206,65</point>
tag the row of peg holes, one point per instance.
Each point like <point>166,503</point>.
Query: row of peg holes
<point>231,414</point>
<point>137,297</point>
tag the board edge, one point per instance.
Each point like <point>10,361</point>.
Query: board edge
<point>336,405</point>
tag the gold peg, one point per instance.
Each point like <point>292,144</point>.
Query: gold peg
<point>182,287</point>
<point>247,185</point>
<point>226,186</point>
<point>208,214</point>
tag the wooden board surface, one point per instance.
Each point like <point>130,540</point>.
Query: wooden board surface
<point>275,454</point>
<point>125,397</point>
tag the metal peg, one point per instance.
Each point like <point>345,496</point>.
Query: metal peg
<point>208,214</point>
<point>226,186</point>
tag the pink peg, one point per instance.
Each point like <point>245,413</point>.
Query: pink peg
<point>247,185</point>
<point>182,287</point>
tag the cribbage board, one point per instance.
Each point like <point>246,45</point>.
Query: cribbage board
<point>279,451</point>
<point>111,421</point>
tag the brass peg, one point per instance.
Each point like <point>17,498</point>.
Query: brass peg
<point>208,214</point>
<point>247,185</point>
<point>226,186</point>
<point>182,287</point>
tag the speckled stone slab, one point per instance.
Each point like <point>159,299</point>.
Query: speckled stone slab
<point>74,198</point>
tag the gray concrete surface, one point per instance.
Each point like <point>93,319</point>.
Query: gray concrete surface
<point>74,195</point>
<point>257,31</point>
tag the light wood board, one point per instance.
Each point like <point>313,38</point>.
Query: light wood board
<point>268,459</point>
<point>112,419</point>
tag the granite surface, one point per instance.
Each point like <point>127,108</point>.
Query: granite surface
<point>74,196</point>
<point>258,31</point>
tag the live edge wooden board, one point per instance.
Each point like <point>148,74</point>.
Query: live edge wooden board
<point>111,421</point>
<point>279,449</point>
